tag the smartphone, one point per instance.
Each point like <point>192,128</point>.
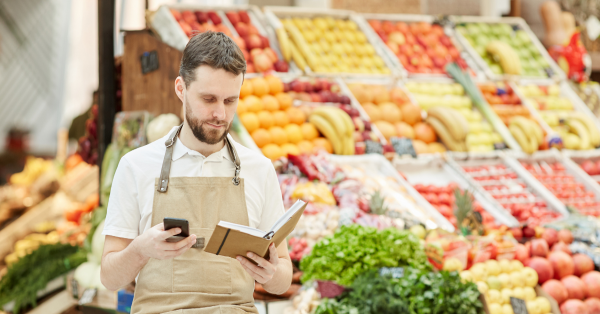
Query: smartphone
<point>183,224</point>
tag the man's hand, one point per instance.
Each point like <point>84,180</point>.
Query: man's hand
<point>264,271</point>
<point>152,244</point>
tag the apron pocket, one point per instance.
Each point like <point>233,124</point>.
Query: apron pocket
<point>198,271</point>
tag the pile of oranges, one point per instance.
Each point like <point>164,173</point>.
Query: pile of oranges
<point>277,127</point>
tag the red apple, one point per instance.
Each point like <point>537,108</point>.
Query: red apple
<point>565,236</point>
<point>202,17</point>
<point>396,37</point>
<point>575,287</point>
<point>261,61</point>
<point>242,29</point>
<point>528,232</point>
<point>574,307</point>
<point>233,17</point>
<point>592,282</point>
<point>176,14</point>
<point>189,17</point>
<point>441,63</point>
<point>187,29</point>
<point>244,17</point>
<point>521,253</point>
<point>252,42</point>
<point>271,54</point>
<point>246,55</point>
<point>345,99</point>
<point>444,40</point>
<point>543,267</point>
<point>325,96</point>
<point>539,247</point>
<point>250,67</point>
<point>562,264</point>
<point>297,86</point>
<point>315,97</point>
<point>593,305</point>
<point>583,264</point>
<point>304,97</point>
<point>561,246</point>
<point>359,148</point>
<point>549,234</point>
<point>214,17</point>
<point>393,47</point>
<point>265,41</point>
<point>281,66</point>
<point>589,167</point>
<point>240,42</point>
<point>387,27</point>
<point>556,289</point>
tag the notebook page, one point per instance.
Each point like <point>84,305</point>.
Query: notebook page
<point>242,228</point>
<point>287,216</point>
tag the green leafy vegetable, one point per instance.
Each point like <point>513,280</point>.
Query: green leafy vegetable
<point>354,249</point>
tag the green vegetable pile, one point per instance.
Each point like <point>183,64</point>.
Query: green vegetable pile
<point>417,292</point>
<point>354,249</point>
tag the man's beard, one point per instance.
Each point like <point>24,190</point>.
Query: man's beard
<point>211,137</point>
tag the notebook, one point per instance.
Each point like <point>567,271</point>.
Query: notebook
<point>232,240</point>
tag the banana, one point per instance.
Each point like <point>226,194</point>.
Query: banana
<point>526,126</point>
<point>462,122</point>
<point>451,122</point>
<point>335,119</point>
<point>348,145</point>
<point>298,58</point>
<point>521,138</point>
<point>590,126</point>
<point>302,45</point>
<point>539,134</point>
<point>284,43</point>
<point>506,55</point>
<point>327,129</point>
<point>444,134</point>
<point>349,123</point>
<point>578,128</point>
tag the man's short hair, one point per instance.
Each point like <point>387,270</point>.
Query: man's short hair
<point>216,50</point>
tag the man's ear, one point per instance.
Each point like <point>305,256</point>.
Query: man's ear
<point>179,87</point>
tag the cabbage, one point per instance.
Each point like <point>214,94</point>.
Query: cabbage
<point>85,274</point>
<point>97,244</point>
<point>96,283</point>
<point>160,126</point>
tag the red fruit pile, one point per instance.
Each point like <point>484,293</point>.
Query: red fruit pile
<point>421,47</point>
<point>512,193</point>
<point>299,248</point>
<point>442,199</point>
<point>88,144</point>
<point>198,22</point>
<point>565,187</point>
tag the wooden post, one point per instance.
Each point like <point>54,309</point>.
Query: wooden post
<point>106,69</point>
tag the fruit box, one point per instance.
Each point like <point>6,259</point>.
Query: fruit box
<point>434,170</point>
<point>544,61</point>
<point>555,309</point>
<point>589,157</point>
<point>410,199</point>
<point>436,48</point>
<point>275,14</point>
<point>509,186</point>
<point>163,23</point>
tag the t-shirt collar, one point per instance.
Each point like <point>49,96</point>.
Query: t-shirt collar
<point>179,150</point>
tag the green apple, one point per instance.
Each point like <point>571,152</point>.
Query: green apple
<point>461,29</point>
<point>553,90</point>
<point>529,294</point>
<point>497,138</point>
<point>485,138</point>
<point>496,29</point>
<point>494,283</point>
<point>542,62</point>
<point>457,89</point>
<point>486,127</point>
<point>505,266</point>
<point>482,40</point>
<point>481,50</point>
<point>506,293</point>
<point>505,280</point>
<point>452,264</point>
<point>506,29</point>
<point>516,279</point>
<point>473,29</point>
<point>523,37</point>
<point>530,276</point>
<point>484,28</point>
<point>488,60</point>
<point>476,128</point>
<point>419,231</point>
<point>466,276</point>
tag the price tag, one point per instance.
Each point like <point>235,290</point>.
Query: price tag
<point>75,288</point>
<point>395,272</point>
<point>403,146</point>
<point>372,147</point>
<point>88,296</point>
<point>518,306</point>
<point>149,61</point>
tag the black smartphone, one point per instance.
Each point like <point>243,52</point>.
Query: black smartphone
<point>183,224</point>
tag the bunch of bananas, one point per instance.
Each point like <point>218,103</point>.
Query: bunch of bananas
<point>34,167</point>
<point>527,133</point>
<point>583,127</point>
<point>506,56</point>
<point>450,126</point>
<point>337,126</point>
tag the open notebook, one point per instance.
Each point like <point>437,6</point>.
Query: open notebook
<point>229,239</point>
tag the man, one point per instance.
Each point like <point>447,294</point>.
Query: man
<point>197,172</point>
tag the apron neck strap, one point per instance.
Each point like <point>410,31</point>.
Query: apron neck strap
<point>163,181</point>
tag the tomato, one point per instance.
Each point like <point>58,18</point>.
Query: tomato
<point>444,198</point>
<point>445,210</point>
<point>432,198</point>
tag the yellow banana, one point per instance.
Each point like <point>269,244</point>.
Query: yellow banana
<point>348,145</point>
<point>578,128</point>
<point>539,134</point>
<point>326,129</point>
<point>298,58</point>
<point>506,55</point>
<point>349,124</point>
<point>335,119</point>
<point>521,138</point>
<point>462,122</point>
<point>444,134</point>
<point>284,43</point>
<point>302,45</point>
<point>590,126</point>
<point>451,122</point>
<point>528,128</point>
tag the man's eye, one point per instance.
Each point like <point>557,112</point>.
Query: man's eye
<point>208,99</point>
<point>229,101</point>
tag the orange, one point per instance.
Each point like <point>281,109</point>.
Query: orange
<point>281,118</point>
<point>294,134</point>
<point>266,119</point>
<point>272,151</point>
<point>261,137</point>
<point>270,102</point>
<point>260,86</point>
<point>309,131</point>
<point>323,143</point>
<point>246,89</point>
<point>253,103</point>
<point>241,107</point>
<point>390,112</point>
<point>290,149</point>
<point>285,100</point>
<point>250,121</point>
<point>296,115</point>
<point>305,147</point>
<point>278,135</point>
<point>275,84</point>
<point>372,111</point>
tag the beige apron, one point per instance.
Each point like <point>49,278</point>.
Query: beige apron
<point>196,282</point>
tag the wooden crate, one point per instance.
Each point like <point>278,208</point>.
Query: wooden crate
<point>153,91</point>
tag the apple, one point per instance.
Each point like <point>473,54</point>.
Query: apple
<point>297,86</point>
<point>315,97</point>
<point>542,267</point>
<point>589,167</point>
<point>575,287</point>
<point>359,148</point>
<point>270,53</point>
<point>593,305</point>
<point>493,267</point>
<point>561,246</point>
<point>505,266</point>
<point>176,14</point>
<point>517,279</point>
<point>189,17</point>
<point>479,272</point>
<point>304,96</point>
<point>583,264</point>
<point>241,28</point>
<point>516,265</point>
<point>262,63</point>
<point>505,280</point>
<point>521,253</point>
<point>252,42</point>
<point>518,292</point>
<point>532,307</point>
<point>214,18</point>
<point>565,236</point>
<point>495,308</point>
<point>494,283</point>
<point>264,40</point>
<point>345,99</point>
<point>505,294</point>
<point>250,67</point>
<point>539,247</point>
<point>281,66</point>
<point>550,235</point>
<point>556,289</point>
<point>592,282</point>
<point>233,17</point>
<point>202,17</point>
<point>529,293</point>
<point>573,307</point>
<point>528,232</point>
<point>562,264</point>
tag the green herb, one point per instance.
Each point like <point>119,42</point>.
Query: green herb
<point>376,204</point>
<point>354,249</point>
<point>33,272</point>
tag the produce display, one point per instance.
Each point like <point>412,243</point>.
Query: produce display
<point>578,131</point>
<point>511,191</point>
<point>589,93</point>
<point>450,112</point>
<point>329,45</point>
<point>88,144</point>
<point>421,47</point>
<point>505,49</point>
<point>564,185</point>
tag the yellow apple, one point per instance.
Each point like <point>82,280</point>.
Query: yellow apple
<point>505,280</point>
<point>482,287</point>
<point>516,279</point>
<point>505,294</point>
<point>330,37</point>
<point>530,276</point>
<point>494,283</point>
<point>369,50</point>
<point>518,292</point>
<point>378,62</point>
<point>360,37</point>
<point>533,307</point>
<point>507,309</point>
<point>452,264</point>
<point>529,294</point>
<point>350,25</point>
<point>493,267</point>
<point>543,304</point>
<point>504,266</point>
<point>495,308</point>
<point>494,296</point>
<point>479,272</point>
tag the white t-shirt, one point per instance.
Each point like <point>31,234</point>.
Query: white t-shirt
<point>132,193</point>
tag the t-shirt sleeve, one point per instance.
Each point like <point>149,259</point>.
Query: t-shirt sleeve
<point>123,213</point>
<point>273,207</point>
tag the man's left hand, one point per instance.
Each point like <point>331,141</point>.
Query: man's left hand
<point>264,271</point>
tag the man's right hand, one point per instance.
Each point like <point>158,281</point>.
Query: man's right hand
<point>152,243</point>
